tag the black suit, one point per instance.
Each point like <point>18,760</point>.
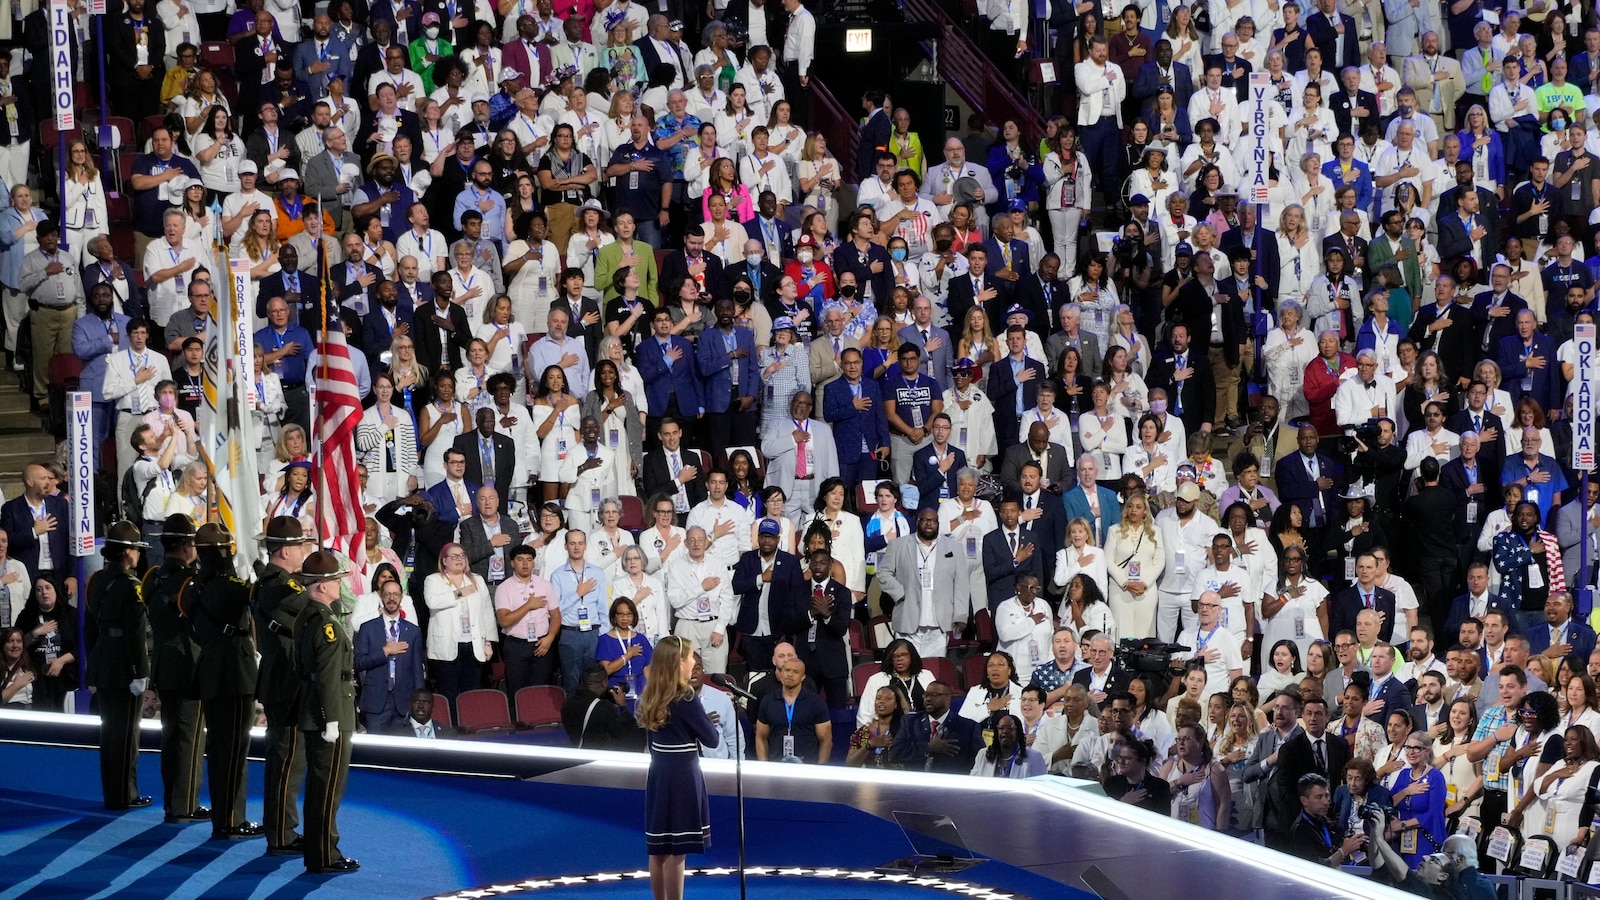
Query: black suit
<point>910,747</point>
<point>963,297</point>
<point>1454,477</point>
<point>1264,246</point>
<point>1297,758</point>
<point>1346,604</point>
<point>1037,297</point>
<point>132,295</point>
<point>505,463</point>
<point>1049,532</point>
<point>377,336</point>
<point>785,610</point>
<point>1421,721</point>
<point>430,342</point>
<point>589,334</point>
<point>310,306</point>
<point>1457,344</point>
<point>1338,240</point>
<point>927,477</point>
<point>1454,241</point>
<point>1117,678</point>
<point>1199,397</point>
<point>827,659</point>
<point>676,265</point>
<point>874,138</point>
<point>1341,105</point>
<point>349,288</point>
<point>135,97</point>
<point>1001,568</point>
<point>770,274</point>
<point>1326,37</point>
<point>658,480</point>
<point>406,122</point>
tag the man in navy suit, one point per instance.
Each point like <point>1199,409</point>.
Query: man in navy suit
<point>667,364</point>
<point>1043,517</point>
<point>1364,594</point>
<point>1014,386</point>
<point>452,498</point>
<point>347,277</point>
<point>1076,501</point>
<point>1009,552</point>
<point>821,635</point>
<point>1467,230</point>
<point>694,262</point>
<point>1561,636</point>
<point>1308,480</point>
<point>853,406</point>
<point>977,287</point>
<point>1387,693</point>
<point>934,465</point>
<point>727,361</point>
<point>769,584</point>
<point>110,270</point>
<point>1527,363</point>
<point>290,280</point>
<point>485,444</point>
<point>936,740</point>
<point>37,524</point>
<point>874,135</point>
<point>1008,256</point>
<point>1263,246</point>
<point>1163,72</point>
<point>1193,398</point>
<point>1477,602</point>
<point>1334,34</point>
<point>389,663</point>
<point>386,318</point>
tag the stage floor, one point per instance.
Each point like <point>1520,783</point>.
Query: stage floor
<point>569,826</point>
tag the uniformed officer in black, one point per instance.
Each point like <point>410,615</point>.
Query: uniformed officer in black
<point>173,673</point>
<point>279,598</point>
<point>326,660</point>
<point>217,603</point>
<point>119,665</point>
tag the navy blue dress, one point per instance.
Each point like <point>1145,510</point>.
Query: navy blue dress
<point>677,817</point>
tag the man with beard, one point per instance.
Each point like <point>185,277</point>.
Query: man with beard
<point>931,585</point>
<point>383,196</point>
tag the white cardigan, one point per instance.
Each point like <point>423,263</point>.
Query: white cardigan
<point>444,631</point>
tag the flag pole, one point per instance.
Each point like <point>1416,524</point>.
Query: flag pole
<point>325,281</point>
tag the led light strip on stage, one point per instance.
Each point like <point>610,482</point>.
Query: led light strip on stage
<point>964,889</point>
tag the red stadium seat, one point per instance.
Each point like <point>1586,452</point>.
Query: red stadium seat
<point>122,246</point>
<point>974,670</point>
<point>539,706</point>
<point>943,670</point>
<point>217,55</point>
<point>484,711</point>
<point>632,514</point>
<point>64,371</point>
<point>859,676</point>
<point>147,125</point>
<point>858,642</point>
<point>441,711</point>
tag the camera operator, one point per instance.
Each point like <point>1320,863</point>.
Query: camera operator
<point>1450,873</point>
<point>1311,835</point>
<point>1378,460</point>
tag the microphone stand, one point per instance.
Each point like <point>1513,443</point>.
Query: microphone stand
<point>738,769</point>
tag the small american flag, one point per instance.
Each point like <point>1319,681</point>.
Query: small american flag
<point>338,411</point>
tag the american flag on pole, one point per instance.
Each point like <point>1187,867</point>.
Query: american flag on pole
<point>337,412</point>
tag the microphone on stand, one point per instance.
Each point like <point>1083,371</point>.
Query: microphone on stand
<point>732,687</point>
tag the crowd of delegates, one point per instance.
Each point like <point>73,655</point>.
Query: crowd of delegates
<point>639,358</point>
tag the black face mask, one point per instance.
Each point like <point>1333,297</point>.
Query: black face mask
<point>941,246</point>
<point>847,290</point>
<point>741,296</point>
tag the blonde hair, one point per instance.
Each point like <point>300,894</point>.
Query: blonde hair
<point>809,152</point>
<point>972,345</point>
<point>664,682</point>
<point>1088,529</point>
<point>1123,528</point>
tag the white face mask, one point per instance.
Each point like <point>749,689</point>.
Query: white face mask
<point>432,31</point>
<point>805,256</point>
<point>753,259</point>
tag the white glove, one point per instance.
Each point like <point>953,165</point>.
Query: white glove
<point>138,685</point>
<point>330,732</point>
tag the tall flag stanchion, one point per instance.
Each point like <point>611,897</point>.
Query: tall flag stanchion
<point>227,431</point>
<point>337,413</point>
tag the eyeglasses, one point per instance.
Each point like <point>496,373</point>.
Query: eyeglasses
<point>1344,646</point>
<point>1411,747</point>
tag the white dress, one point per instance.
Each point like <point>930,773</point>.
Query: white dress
<point>433,456</point>
<point>654,614</point>
<point>1107,440</point>
<point>1286,369</point>
<point>563,434</point>
<point>1136,556</point>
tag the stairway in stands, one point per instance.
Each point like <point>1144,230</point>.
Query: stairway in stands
<point>22,438</point>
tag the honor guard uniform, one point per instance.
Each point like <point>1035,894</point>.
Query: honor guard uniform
<point>326,660</point>
<point>217,603</point>
<point>119,665</point>
<point>279,598</point>
<point>173,673</point>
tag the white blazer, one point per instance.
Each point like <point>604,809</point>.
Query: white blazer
<point>1094,83</point>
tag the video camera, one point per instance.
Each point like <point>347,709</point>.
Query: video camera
<point>1147,654</point>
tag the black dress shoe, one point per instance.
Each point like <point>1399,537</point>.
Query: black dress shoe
<point>200,814</point>
<point>139,802</point>
<point>336,867</point>
<point>297,847</point>
<point>247,830</point>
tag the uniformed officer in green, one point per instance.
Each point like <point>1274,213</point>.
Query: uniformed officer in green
<point>173,673</point>
<point>119,665</point>
<point>279,598</point>
<point>326,660</point>
<point>217,603</point>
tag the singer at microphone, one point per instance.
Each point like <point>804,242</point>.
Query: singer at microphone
<point>732,687</point>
